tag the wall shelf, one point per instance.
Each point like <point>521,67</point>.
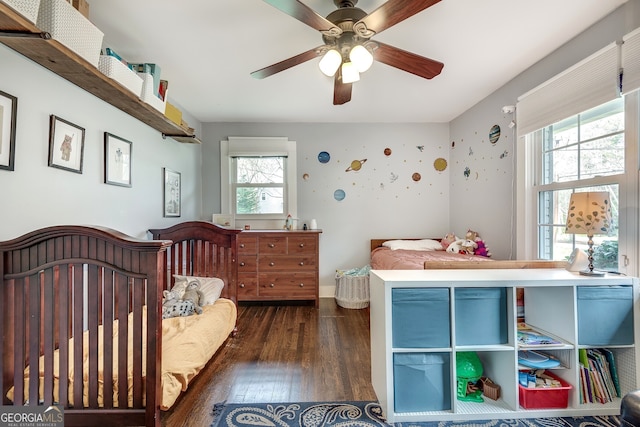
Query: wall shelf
<point>57,58</point>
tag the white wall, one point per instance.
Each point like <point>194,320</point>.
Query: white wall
<point>375,206</point>
<point>35,195</point>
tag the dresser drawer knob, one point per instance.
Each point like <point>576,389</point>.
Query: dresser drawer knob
<point>302,245</point>
<point>272,285</point>
<point>242,285</point>
<point>272,245</point>
<point>242,264</point>
<point>302,285</point>
<point>272,263</point>
<point>241,245</point>
<point>301,263</point>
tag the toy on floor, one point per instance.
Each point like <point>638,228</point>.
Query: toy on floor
<point>468,372</point>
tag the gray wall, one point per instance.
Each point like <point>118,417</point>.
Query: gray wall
<point>35,195</point>
<point>493,193</point>
<point>382,198</point>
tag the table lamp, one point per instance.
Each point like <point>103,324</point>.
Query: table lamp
<point>589,213</point>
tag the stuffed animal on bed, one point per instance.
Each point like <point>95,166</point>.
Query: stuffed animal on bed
<point>173,306</point>
<point>194,295</point>
<point>447,240</point>
<point>480,247</point>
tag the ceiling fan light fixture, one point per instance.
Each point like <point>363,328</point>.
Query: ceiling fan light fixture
<point>361,57</point>
<point>350,73</point>
<point>330,62</point>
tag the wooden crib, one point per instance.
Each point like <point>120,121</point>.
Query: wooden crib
<point>65,290</point>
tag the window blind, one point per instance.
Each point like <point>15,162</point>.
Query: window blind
<point>587,84</point>
<point>631,62</point>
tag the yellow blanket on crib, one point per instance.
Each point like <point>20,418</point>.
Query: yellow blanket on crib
<point>187,345</point>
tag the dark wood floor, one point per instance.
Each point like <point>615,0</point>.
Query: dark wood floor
<point>283,353</point>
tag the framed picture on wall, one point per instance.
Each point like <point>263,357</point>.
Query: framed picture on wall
<point>66,145</point>
<point>171,193</point>
<point>117,160</point>
<point>8,107</point>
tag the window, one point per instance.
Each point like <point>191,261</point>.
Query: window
<point>258,186</point>
<point>580,131</point>
<point>585,152</point>
<point>258,178</point>
<point>595,150</point>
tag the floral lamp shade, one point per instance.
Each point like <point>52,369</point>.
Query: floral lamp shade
<point>589,213</point>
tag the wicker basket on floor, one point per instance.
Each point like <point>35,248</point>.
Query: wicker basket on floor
<point>352,291</point>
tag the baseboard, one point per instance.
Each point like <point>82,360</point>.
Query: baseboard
<point>327,291</point>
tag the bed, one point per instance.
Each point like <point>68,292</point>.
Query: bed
<point>386,256</point>
<point>66,285</point>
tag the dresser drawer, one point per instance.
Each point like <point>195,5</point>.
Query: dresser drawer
<point>272,244</point>
<point>302,245</point>
<point>247,263</point>
<point>293,285</point>
<point>247,244</point>
<point>289,263</point>
<point>247,285</point>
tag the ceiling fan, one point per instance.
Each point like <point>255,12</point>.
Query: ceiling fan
<point>347,48</point>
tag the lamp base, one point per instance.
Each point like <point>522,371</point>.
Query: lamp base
<point>592,273</point>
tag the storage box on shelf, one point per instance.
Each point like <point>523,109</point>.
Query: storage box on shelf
<point>545,397</point>
<point>405,306</point>
<point>68,26</point>
<point>116,70</point>
<point>27,8</point>
<point>148,94</point>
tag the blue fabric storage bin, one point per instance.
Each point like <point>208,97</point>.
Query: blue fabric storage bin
<point>481,316</point>
<point>605,315</point>
<point>420,317</point>
<point>421,382</point>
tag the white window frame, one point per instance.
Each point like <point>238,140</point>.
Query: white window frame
<point>528,164</point>
<point>258,147</point>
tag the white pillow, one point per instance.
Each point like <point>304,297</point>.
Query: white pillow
<point>211,287</point>
<point>414,245</point>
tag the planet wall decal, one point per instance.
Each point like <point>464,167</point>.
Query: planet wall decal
<point>339,195</point>
<point>416,177</point>
<point>356,165</point>
<point>440,164</point>
<point>494,134</point>
<point>324,157</point>
<point>387,151</point>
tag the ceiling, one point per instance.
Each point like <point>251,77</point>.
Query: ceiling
<point>207,48</point>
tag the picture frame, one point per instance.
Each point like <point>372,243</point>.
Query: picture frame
<point>8,114</point>
<point>224,220</point>
<point>66,145</point>
<point>172,193</point>
<point>117,160</point>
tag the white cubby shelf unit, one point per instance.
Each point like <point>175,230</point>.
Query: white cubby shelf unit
<point>420,320</point>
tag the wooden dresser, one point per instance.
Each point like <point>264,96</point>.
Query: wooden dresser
<point>278,265</point>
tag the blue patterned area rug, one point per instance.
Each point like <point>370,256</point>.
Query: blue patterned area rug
<point>365,414</point>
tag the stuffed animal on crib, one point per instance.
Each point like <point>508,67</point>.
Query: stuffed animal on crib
<point>195,295</point>
<point>173,306</point>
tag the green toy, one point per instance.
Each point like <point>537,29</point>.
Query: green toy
<point>468,372</point>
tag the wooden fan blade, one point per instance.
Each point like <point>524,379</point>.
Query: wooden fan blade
<point>407,61</point>
<point>341,91</point>
<point>392,12</point>
<point>305,14</point>
<point>287,63</point>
